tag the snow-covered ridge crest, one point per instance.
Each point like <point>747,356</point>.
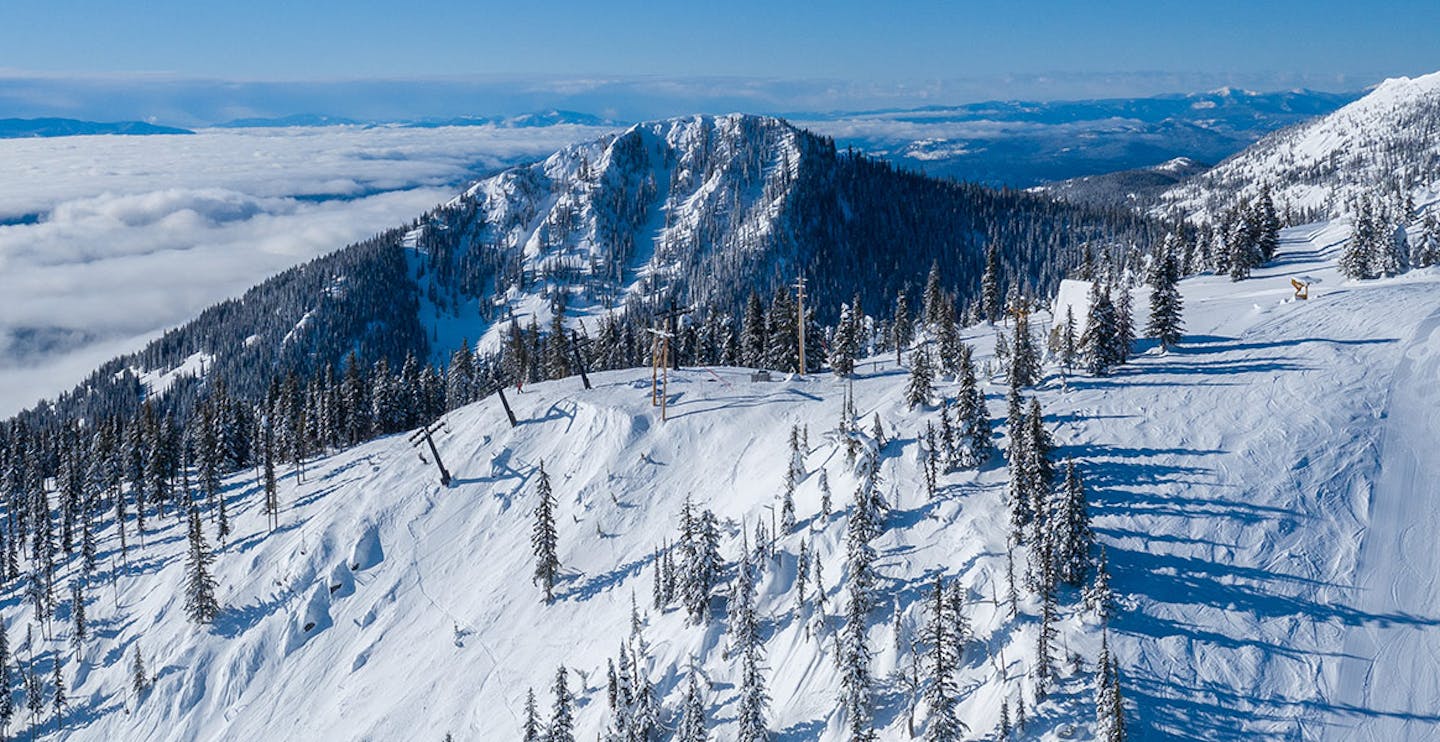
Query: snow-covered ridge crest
<point>633,217</point>
<point>1382,144</point>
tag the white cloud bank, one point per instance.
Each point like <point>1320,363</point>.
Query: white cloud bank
<point>110,240</point>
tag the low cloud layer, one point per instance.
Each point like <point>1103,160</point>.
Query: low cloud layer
<point>113,239</point>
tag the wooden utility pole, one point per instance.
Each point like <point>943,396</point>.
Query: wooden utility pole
<point>659,369</point>
<point>506,403</point>
<point>800,309</point>
<point>425,434</point>
<point>579,359</point>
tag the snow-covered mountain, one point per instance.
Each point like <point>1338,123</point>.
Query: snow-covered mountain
<point>1261,492</point>
<point>1385,144</point>
<point>701,209</point>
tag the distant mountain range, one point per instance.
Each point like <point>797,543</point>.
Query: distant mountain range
<point>1384,145</point>
<point>520,121</point>
<point>58,127</point>
<point>1027,143</point>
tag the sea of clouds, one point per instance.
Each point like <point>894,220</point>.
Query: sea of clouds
<point>106,241</point>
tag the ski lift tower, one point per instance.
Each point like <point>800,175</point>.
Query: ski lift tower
<point>800,310</point>
<point>426,433</point>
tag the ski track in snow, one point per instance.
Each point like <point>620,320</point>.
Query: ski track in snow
<point>1263,493</point>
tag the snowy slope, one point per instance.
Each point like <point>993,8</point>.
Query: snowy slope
<point>1262,492</point>
<point>1383,143</point>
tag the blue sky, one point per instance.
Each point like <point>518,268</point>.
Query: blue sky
<point>849,54</point>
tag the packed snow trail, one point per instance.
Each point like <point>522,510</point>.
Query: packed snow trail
<point>1235,488</point>
<point>1390,674</point>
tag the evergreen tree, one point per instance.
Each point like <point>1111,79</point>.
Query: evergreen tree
<point>700,543</point>
<point>752,335</point>
<point>1098,341</point>
<point>1267,224</point>
<point>79,628</point>
<point>1024,367</point>
<point>533,731</point>
<point>1124,323</point>
<point>1070,527</point>
<point>972,415</point>
<point>1426,250</point>
<point>903,327</point>
<point>940,693</point>
<point>58,700</point>
<point>460,377</point>
<point>1165,303</point>
<point>1098,596</point>
<point>1358,257</point>
<point>562,722</point>
<point>1109,704</point>
<point>543,539</point>
<point>990,286</point>
<point>922,377</point>
<point>1394,252</point>
<point>200,604</point>
<point>845,343</point>
<point>754,699</point>
<point>139,677</point>
<point>935,307</point>
<point>7,700</point>
<point>693,724</point>
<point>854,658</point>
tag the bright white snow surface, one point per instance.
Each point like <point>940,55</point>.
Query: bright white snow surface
<point>1266,492</point>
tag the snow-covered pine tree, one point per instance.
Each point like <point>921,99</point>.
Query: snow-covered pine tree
<point>1044,670</point>
<point>1267,225</point>
<point>754,699</point>
<point>1069,341</point>
<point>1017,484</point>
<point>1124,322</point>
<point>802,574</point>
<point>948,336</point>
<point>1165,304</point>
<point>1394,251</point>
<point>1425,251</point>
<point>940,691</point>
<point>1358,257</point>
<point>934,304</point>
<point>562,719</point>
<point>78,627</point>
<point>1098,596</point>
<point>1024,369</point>
<point>59,700</point>
<point>794,472</point>
<point>975,446</point>
<point>854,659</point>
<point>1109,704</point>
<point>752,333</point>
<point>922,379</point>
<point>7,700</point>
<point>990,286</point>
<point>946,437</point>
<point>1098,341</point>
<point>845,342</point>
<point>782,345</point>
<point>1070,526</point>
<point>931,454</point>
<point>692,727</point>
<point>902,329</point>
<point>859,555</point>
<point>825,494</point>
<point>201,606</point>
<point>703,566</point>
<point>139,676</point>
<point>543,539</point>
